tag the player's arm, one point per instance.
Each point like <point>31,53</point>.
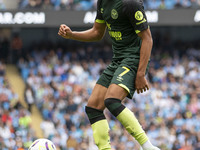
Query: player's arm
<point>145,53</point>
<point>136,14</point>
<point>145,50</point>
<point>96,33</point>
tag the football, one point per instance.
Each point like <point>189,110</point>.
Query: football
<point>42,144</point>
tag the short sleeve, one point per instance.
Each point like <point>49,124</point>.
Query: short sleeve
<point>99,17</point>
<point>134,10</point>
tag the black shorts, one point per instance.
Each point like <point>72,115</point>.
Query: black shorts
<point>122,73</point>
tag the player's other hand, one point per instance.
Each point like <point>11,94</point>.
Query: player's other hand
<point>65,31</point>
<point>141,83</point>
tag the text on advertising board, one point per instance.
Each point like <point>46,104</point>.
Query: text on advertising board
<point>197,16</point>
<point>22,18</point>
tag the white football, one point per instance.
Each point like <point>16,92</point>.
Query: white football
<point>42,144</point>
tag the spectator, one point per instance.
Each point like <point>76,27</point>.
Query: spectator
<point>47,5</point>
<point>34,4</point>
<point>16,45</point>
<point>2,5</point>
<point>48,128</point>
<point>178,4</point>
<point>4,49</point>
<point>29,97</point>
<point>186,3</point>
<point>162,5</point>
<point>154,4</point>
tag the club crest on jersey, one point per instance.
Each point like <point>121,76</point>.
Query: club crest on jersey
<point>139,15</point>
<point>114,14</point>
<point>102,10</point>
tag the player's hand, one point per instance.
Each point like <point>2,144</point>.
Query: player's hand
<point>65,31</point>
<point>141,83</point>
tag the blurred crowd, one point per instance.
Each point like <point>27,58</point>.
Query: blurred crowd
<point>2,5</point>
<point>171,4</point>
<point>57,4</point>
<point>60,82</point>
<point>91,4</point>
<point>15,121</point>
<point>4,48</point>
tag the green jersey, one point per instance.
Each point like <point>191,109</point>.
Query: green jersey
<point>124,19</point>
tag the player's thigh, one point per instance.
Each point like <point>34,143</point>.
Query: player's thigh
<point>124,81</point>
<point>116,91</point>
<point>96,99</point>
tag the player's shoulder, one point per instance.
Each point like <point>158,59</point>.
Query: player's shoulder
<point>99,2</point>
<point>134,3</point>
<point>130,6</point>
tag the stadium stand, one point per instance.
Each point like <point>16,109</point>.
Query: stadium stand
<point>171,4</point>
<point>57,4</point>
<point>62,82</point>
<point>15,131</point>
<point>91,4</point>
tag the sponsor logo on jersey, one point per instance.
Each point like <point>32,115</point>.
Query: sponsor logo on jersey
<point>114,14</point>
<point>108,25</point>
<point>115,34</point>
<point>139,15</point>
<point>102,10</point>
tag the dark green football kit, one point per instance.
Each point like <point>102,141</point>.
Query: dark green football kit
<point>124,20</point>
